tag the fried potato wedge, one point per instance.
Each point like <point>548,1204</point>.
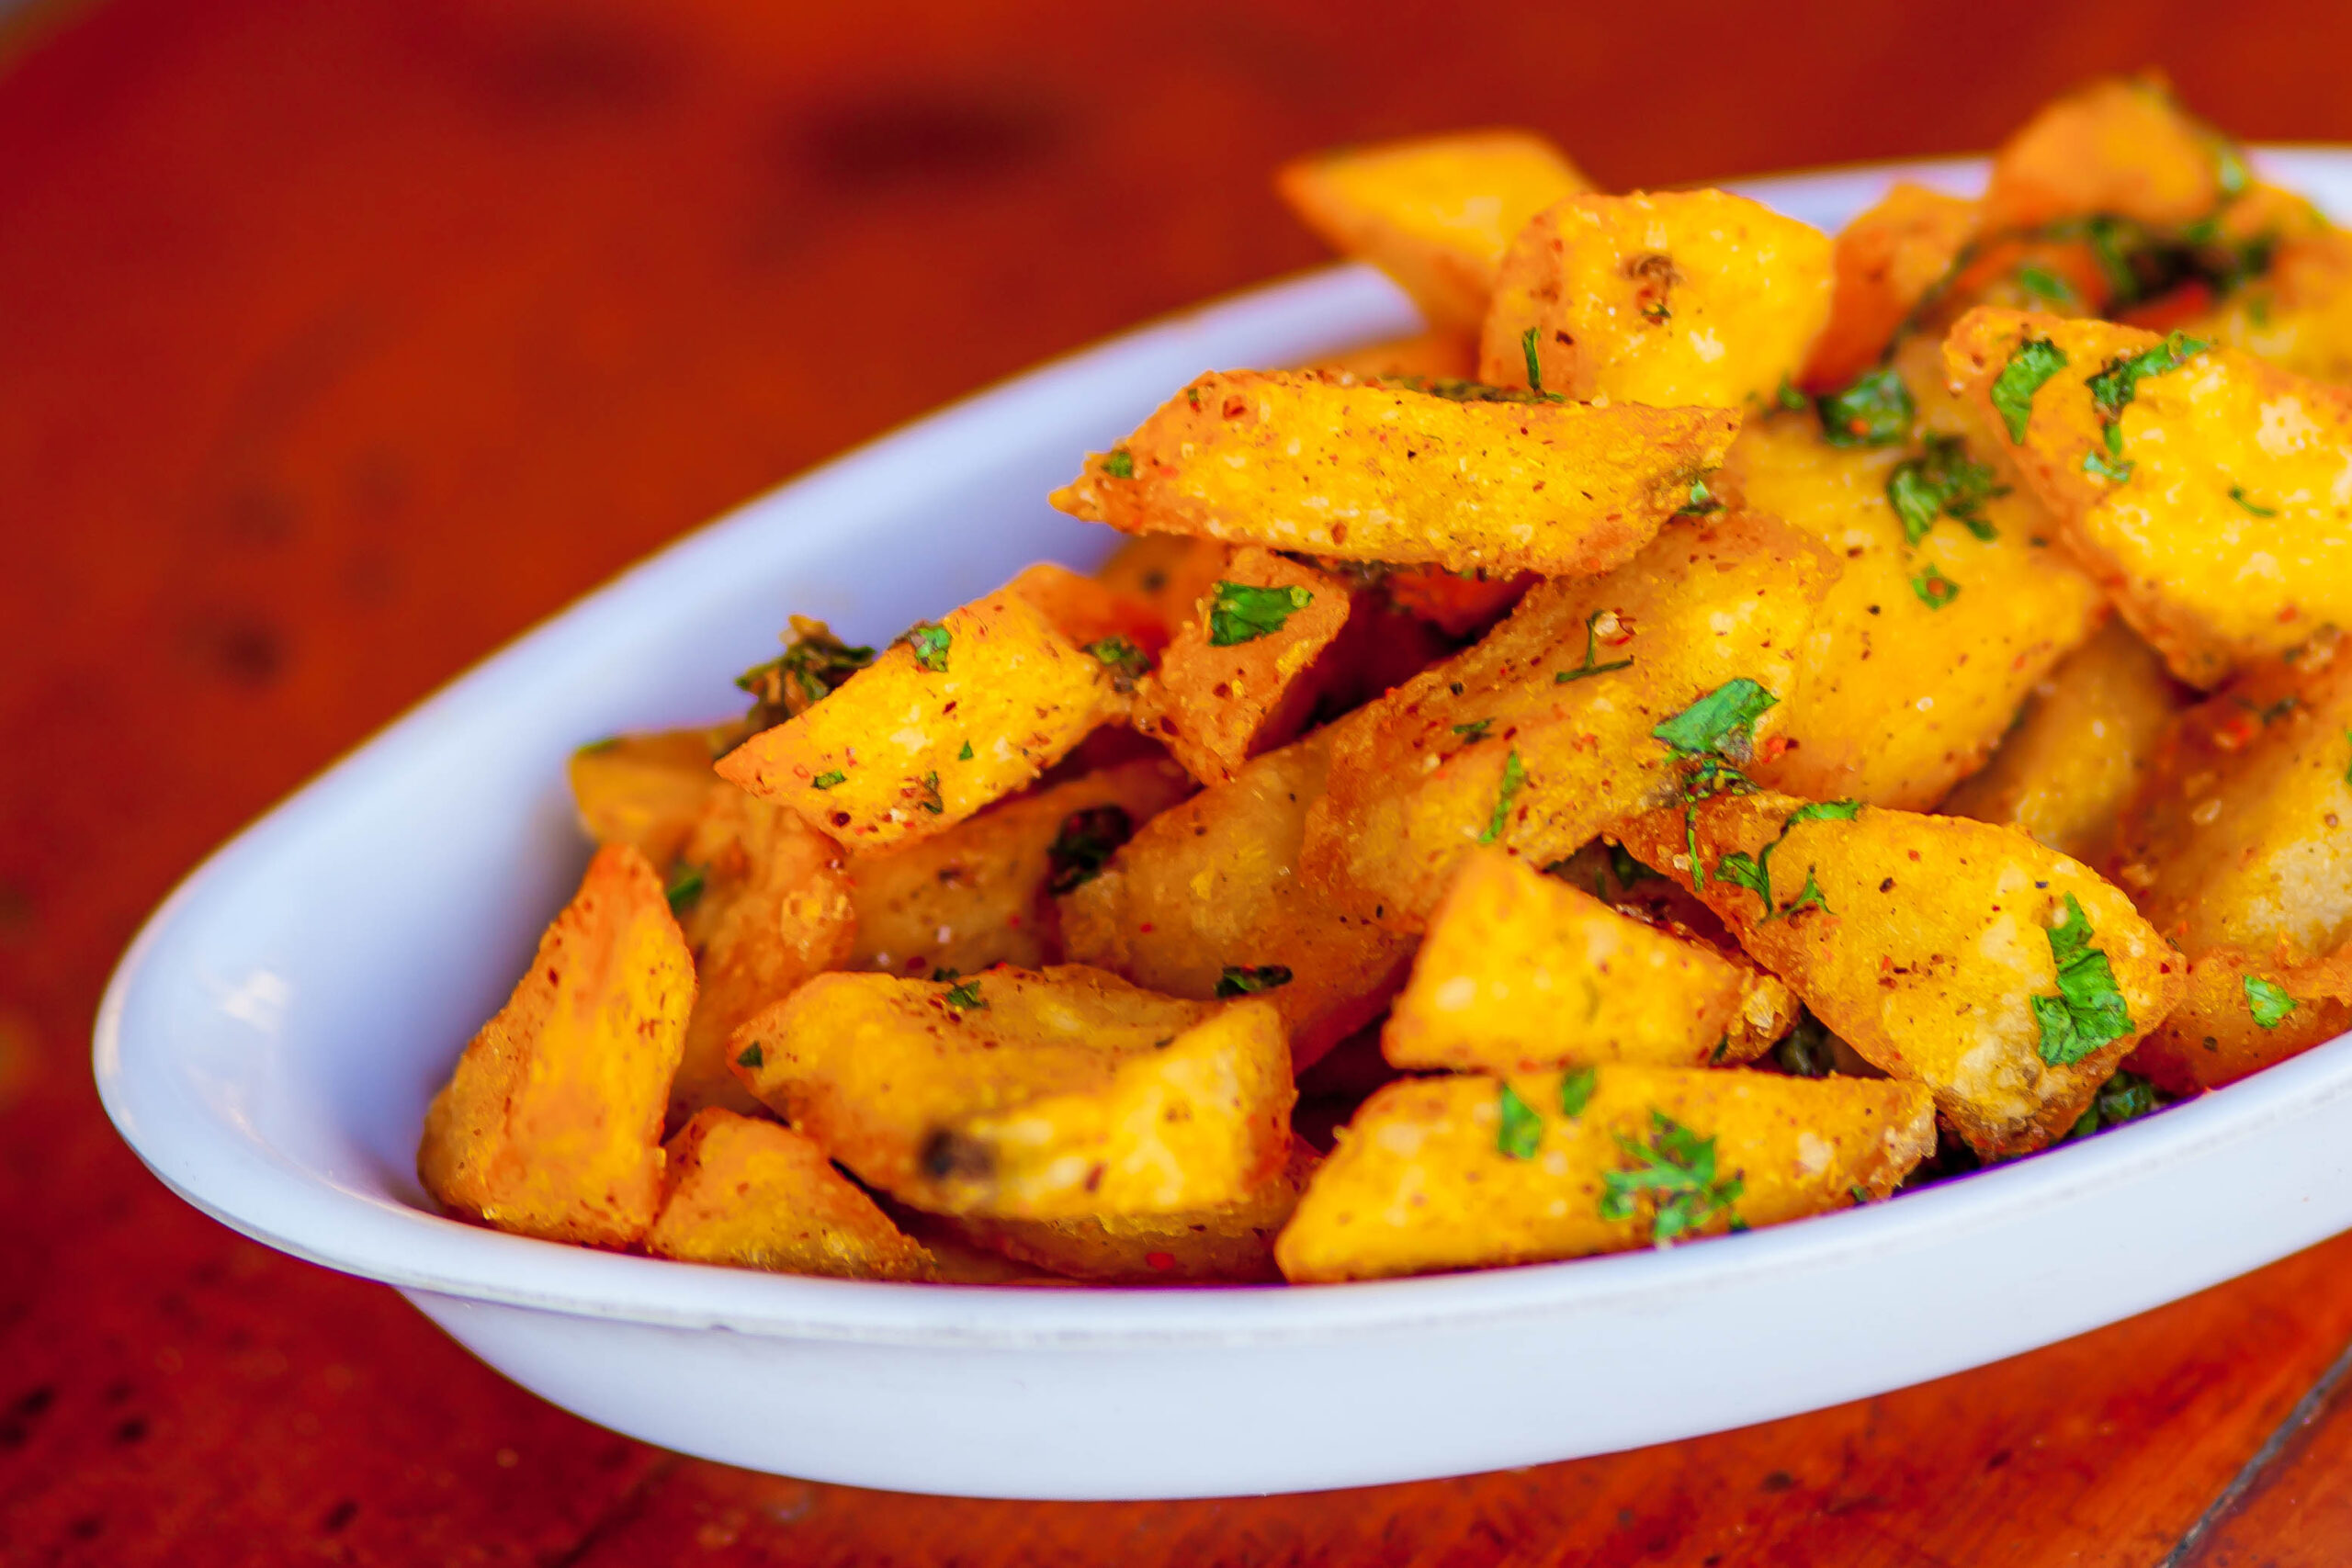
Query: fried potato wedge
<point>1541,735</point>
<point>1434,212</point>
<point>1206,897</point>
<point>2299,315</point>
<point>551,1124</point>
<point>764,904</point>
<point>1676,297</point>
<point>1457,605</point>
<point>1052,1094</point>
<point>1884,264</point>
<point>1472,1172</point>
<point>644,790</point>
<point>982,893</point>
<point>2120,147</point>
<point>1090,612</point>
<point>1440,354</point>
<point>1375,471</point>
<point>752,1193</point>
<point>2079,748</point>
<point>958,714</point>
<point>1170,572</point>
<point>1521,971</point>
<point>1932,634</point>
<point>2242,1014</point>
<point>2007,978</point>
<point>2210,493</point>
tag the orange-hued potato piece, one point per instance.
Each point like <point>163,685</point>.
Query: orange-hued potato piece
<point>752,1193</point>
<point>2298,316</point>
<point>921,739</point>
<point>645,790</point>
<point>2121,147</point>
<point>1434,212</point>
<point>2215,1036</point>
<point>764,906</point>
<point>1520,971</point>
<point>1884,262</point>
<point>982,893</point>
<point>1087,610</point>
<point>1168,572</point>
<point>551,1124</point>
<point>1527,739</point>
<point>1381,472</point>
<point>1456,604</point>
<point>1671,298</point>
<point>1922,941</point>
<point>2229,534</point>
<point>1426,1179</point>
<point>1245,669</point>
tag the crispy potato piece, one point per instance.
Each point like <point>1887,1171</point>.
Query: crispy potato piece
<point>644,790</point>
<point>1440,354</point>
<point>764,904</point>
<point>1540,736</point>
<point>1232,1244</point>
<point>1695,298</point>
<point>1460,606</point>
<point>1373,472</point>
<point>1522,972</point>
<point>981,894</point>
<point>1087,610</point>
<point>2078,749</point>
<point>2299,317</point>
<point>1247,667</point>
<point>749,1193</point>
<point>1051,1094</point>
<point>923,737</point>
<point>2236,836</point>
<point>2120,147</point>
<point>1446,1173</point>
<point>2242,1014</point>
<point>1927,943</point>
<point>1920,653</point>
<point>551,1124</point>
<point>1207,895</point>
<point>1168,572</point>
<point>1883,262</point>
<point>2227,536</point>
<point>1433,212</point>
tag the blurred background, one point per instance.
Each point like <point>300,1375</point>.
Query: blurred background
<point>339,343</point>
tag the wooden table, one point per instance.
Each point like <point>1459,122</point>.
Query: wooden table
<point>340,341</point>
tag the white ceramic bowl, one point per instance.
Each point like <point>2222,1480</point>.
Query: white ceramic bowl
<point>271,1039</point>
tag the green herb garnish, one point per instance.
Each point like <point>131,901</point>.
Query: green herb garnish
<point>1788,397</point>
<point>1874,409</point>
<point>1723,722</point>
<point>1755,872</point>
<point>1941,482</point>
<point>1804,1052</point>
<point>1120,464</point>
<point>751,1057</point>
<point>2267,1001</point>
<point>1676,1167</point>
<point>965,997</point>
<point>2237,493</point>
<point>1591,653</point>
<point>2126,1096</point>
<point>1122,658</point>
<point>1241,612</point>
<point>1703,501</point>
<point>828,779</point>
<point>930,639</point>
<point>1249,979</point>
<point>931,800</point>
<point>1534,368</point>
<point>1085,844</point>
<point>1520,1132</point>
<point>2036,360</point>
<point>686,887</point>
<point>2089,1010</point>
<point>1808,897</point>
<point>966,754</point>
<point>2114,470</point>
<point>1475,731</point>
<point>812,667</point>
<point>2047,287</point>
<point>1514,774</point>
<point>2118,381</point>
<point>1934,589</point>
<point>1575,1090</point>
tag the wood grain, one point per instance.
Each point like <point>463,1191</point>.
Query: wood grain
<point>343,342</point>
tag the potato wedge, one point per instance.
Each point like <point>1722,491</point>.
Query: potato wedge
<point>1522,972</point>
<point>2004,976</point>
<point>1206,897</point>
<point>982,893</point>
<point>1676,297</point>
<point>1947,612</point>
<point>1884,264</point>
<point>1170,572</point>
<point>963,712</point>
<point>2079,748</point>
<point>2242,1014</point>
<point>2121,147</point>
<point>1440,354</point>
<point>1375,471</point>
<point>1541,735</point>
<point>551,1124</point>
<point>752,1193</point>
<point>2208,492</point>
<point>1051,1094</point>
<point>1472,1171</point>
<point>2298,316</point>
<point>1457,605</point>
<point>1434,212</point>
<point>1090,612</point>
<point>644,790</point>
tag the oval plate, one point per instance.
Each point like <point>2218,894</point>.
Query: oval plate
<point>269,1043</point>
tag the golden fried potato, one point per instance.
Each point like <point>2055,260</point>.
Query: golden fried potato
<point>955,714</point>
<point>1170,572</point>
<point>2005,977</point>
<point>1206,899</point>
<point>1472,1172</point>
<point>1949,607</point>
<point>2208,492</point>
<point>1459,605</point>
<point>764,904</point>
<point>1232,1244</point>
<point>1440,354</point>
<point>1543,734</point>
<point>2299,315</point>
<point>1433,212</point>
<point>1245,669</point>
<point>1884,264</point>
<point>982,893</point>
<point>1373,471</point>
<point>551,1124</point>
<point>2078,749</point>
<point>2119,148</point>
<point>1679,297</point>
<point>1522,972</point>
<point>1089,613</point>
<point>644,790</point>
<point>749,1193</point>
<point>2242,1014</point>
<point>1050,1094</point>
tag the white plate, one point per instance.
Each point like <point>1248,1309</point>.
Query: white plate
<point>269,1043</point>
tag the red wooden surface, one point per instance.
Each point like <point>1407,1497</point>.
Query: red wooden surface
<point>339,343</point>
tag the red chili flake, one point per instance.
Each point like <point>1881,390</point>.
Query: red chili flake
<point>1163,1261</point>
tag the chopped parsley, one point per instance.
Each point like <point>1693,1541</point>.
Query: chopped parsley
<point>1241,612</point>
<point>1677,1168</point>
<point>2036,360</point>
<point>2118,381</point>
<point>828,779</point>
<point>1808,897</point>
<point>2347,771</point>
<point>1788,397</point>
<point>812,667</point>
<point>1249,979</point>
<point>1119,464</point>
<point>1804,1052</point>
<point>1755,872</point>
<point>1456,390</point>
<point>1514,775</point>
<point>1723,721</point>
<point>686,887</point>
<point>1122,657</point>
<point>965,997</point>
<point>1575,1090</point>
<point>2237,493</point>
<point>1941,482</point>
<point>1874,409</point>
<point>1934,589</point>
<point>2114,470</point>
<point>930,639</point>
<point>966,754</point>
<point>2126,1096</point>
<point>1591,653</point>
<point>1475,730</point>
<point>1084,845</point>
<point>1519,1132</point>
<point>931,800</point>
<point>1534,368</point>
<point>1703,501</point>
<point>2047,287</point>
<point>2267,1001</point>
<point>2089,1010</point>
<point>751,1056</point>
